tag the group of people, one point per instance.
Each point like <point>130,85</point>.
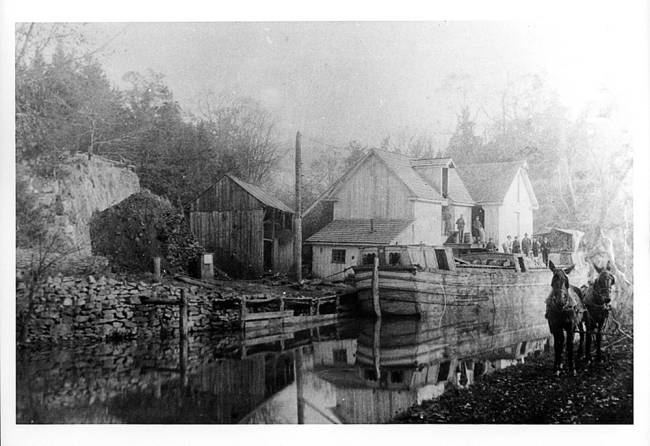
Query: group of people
<point>477,230</point>
<point>528,247</point>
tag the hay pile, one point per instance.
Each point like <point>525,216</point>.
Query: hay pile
<point>139,228</point>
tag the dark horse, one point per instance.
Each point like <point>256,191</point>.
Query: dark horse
<point>596,299</point>
<point>564,314</point>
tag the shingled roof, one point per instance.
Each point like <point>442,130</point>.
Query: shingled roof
<point>263,197</point>
<point>489,182</point>
<point>357,232</point>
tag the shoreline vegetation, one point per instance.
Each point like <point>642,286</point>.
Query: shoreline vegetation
<point>530,393</point>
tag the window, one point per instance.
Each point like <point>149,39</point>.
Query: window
<point>394,258</point>
<point>370,375</point>
<point>338,255</point>
<point>340,356</point>
<point>397,376</point>
<point>443,371</point>
<point>368,259</point>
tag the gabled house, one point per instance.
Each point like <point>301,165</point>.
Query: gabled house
<point>505,195</point>
<point>388,198</point>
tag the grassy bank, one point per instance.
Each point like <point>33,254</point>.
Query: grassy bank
<point>530,393</point>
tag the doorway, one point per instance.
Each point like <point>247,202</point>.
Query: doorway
<point>268,255</point>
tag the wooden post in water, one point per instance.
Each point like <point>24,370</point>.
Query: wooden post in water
<point>182,315</point>
<point>376,346</point>
<point>300,398</point>
<point>182,363</point>
<point>297,219</point>
<point>375,287</point>
<point>156,269</point>
<point>242,311</point>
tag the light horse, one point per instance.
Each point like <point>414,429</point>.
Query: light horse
<point>596,299</point>
<point>564,313</point>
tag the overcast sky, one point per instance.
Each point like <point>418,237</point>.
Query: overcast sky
<point>338,81</point>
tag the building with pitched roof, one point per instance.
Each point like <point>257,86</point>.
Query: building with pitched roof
<point>388,198</point>
<point>504,194</point>
<point>249,230</point>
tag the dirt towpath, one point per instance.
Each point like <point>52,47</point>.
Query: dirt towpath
<point>530,393</point>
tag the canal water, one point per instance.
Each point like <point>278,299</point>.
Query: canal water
<point>351,371</point>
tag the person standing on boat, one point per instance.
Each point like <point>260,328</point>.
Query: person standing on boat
<point>446,218</point>
<point>479,231</point>
<point>545,248</point>
<point>526,245</point>
<point>490,245</point>
<point>460,224</point>
<point>507,245</point>
<point>516,246</point>
<point>535,247</point>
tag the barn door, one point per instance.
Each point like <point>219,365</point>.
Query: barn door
<point>268,255</point>
<point>477,211</point>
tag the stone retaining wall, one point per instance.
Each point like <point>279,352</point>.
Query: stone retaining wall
<point>88,310</point>
<point>77,378</point>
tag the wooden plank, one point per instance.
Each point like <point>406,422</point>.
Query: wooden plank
<point>296,320</point>
<point>267,315</point>
<point>192,281</point>
<point>263,300</point>
<point>267,339</point>
<point>270,324</point>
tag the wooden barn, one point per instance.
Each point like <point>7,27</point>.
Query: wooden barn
<point>249,231</point>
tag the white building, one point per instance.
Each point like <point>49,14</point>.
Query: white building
<point>388,198</point>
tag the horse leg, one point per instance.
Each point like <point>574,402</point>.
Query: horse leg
<point>558,345</point>
<point>599,337</point>
<point>569,350</point>
<point>581,343</point>
<point>588,346</point>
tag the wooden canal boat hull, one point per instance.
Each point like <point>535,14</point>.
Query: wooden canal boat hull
<point>411,292</point>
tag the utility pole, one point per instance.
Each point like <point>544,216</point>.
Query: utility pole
<point>297,219</point>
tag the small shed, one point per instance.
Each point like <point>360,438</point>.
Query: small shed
<point>249,231</point>
<point>562,240</point>
<point>564,244</point>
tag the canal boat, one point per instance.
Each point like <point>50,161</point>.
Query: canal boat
<point>419,280</point>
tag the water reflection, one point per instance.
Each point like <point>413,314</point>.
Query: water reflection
<point>350,372</point>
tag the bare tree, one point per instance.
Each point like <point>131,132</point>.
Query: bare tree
<point>50,250</point>
<point>244,136</point>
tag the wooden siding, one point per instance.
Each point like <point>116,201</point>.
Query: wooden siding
<point>228,232</point>
<point>282,256</point>
<point>374,191</point>
<point>492,225</point>
<point>511,207</point>
<point>225,195</point>
<point>323,267</point>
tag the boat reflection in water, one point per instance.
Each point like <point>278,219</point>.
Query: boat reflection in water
<point>392,365</point>
<point>353,372</point>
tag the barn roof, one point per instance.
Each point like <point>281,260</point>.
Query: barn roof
<point>357,232</point>
<point>401,165</point>
<point>263,197</point>
<point>489,182</point>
